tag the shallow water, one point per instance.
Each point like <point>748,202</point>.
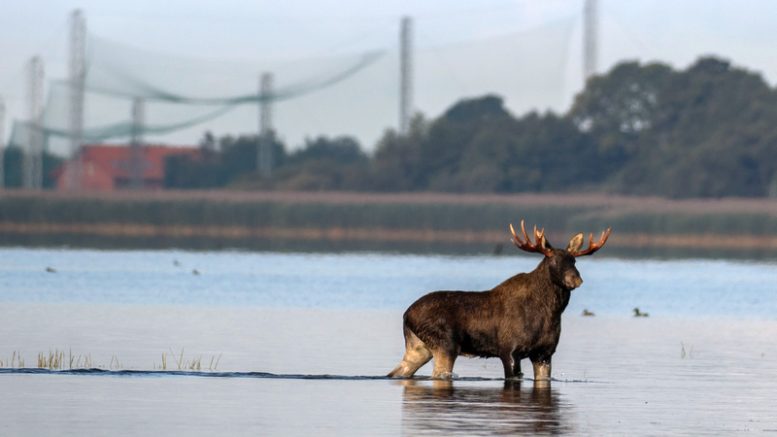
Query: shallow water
<point>704,362</point>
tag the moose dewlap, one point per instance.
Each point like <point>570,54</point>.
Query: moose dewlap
<point>519,318</point>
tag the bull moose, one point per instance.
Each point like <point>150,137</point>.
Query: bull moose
<point>519,318</point>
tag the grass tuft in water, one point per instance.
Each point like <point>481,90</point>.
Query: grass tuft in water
<point>57,360</point>
<point>686,352</point>
<point>52,361</point>
<point>182,363</point>
<point>16,360</point>
<point>193,364</point>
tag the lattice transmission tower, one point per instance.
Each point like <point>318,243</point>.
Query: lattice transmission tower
<point>77,78</point>
<point>137,162</point>
<point>405,74</point>
<point>265,139</point>
<point>32,173</point>
<point>2,143</point>
<point>590,38</point>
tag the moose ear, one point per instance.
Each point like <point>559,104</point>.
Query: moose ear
<point>575,243</point>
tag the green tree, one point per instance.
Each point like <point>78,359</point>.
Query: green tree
<point>325,164</point>
<point>13,163</point>
<point>707,131</point>
<point>708,135</point>
<point>617,108</point>
<point>220,164</point>
<point>396,164</point>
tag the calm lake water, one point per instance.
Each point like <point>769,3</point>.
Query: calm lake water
<point>704,362</point>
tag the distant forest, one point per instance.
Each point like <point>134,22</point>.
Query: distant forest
<point>641,129</point>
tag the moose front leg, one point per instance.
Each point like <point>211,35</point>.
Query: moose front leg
<point>508,365</point>
<point>541,370</point>
<point>512,366</point>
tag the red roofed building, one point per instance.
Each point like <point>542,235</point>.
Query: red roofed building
<point>109,167</point>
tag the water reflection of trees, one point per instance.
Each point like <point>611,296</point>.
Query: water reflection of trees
<point>447,408</point>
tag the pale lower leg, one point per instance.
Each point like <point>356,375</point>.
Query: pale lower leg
<point>541,370</point>
<point>412,361</point>
<point>443,365</point>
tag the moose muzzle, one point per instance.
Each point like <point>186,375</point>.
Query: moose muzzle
<point>573,281</point>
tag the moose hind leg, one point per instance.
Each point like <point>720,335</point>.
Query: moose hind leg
<point>416,355</point>
<point>443,364</point>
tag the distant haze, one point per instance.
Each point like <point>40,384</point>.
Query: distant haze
<point>527,51</point>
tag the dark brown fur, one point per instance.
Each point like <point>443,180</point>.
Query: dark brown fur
<point>519,318</point>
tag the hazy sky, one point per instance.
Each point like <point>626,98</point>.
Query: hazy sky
<point>252,32</point>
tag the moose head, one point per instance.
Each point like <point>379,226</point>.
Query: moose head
<point>560,262</point>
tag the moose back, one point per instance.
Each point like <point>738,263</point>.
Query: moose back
<point>519,318</point>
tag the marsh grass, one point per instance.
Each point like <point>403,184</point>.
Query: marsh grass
<point>60,360</point>
<point>686,351</point>
<point>56,360</point>
<point>16,360</point>
<point>51,361</point>
<point>182,363</point>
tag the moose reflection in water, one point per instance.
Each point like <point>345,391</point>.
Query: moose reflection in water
<point>519,318</point>
<point>445,407</point>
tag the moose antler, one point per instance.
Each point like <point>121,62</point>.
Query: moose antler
<point>540,244</point>
<point>593,247</point>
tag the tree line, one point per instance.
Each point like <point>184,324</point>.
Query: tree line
<point>709,130</point>
<point>645,129</point>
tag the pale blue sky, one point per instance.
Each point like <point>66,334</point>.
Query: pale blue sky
<point>252,32</point>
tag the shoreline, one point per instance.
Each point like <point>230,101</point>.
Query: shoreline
<point>406,222</point>
<point>622,240</point>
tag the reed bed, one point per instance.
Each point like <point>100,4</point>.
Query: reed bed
<point>412,222</point>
